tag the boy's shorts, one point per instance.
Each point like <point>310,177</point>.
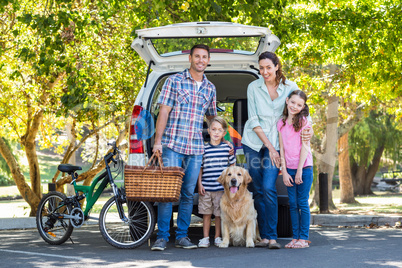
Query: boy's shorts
<point>210,203</point>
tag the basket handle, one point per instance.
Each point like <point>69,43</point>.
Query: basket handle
<point>152,161</point>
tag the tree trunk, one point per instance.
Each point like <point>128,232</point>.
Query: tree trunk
<point>363,177</point>
<point>372,170</point>
<point>28,141</point>
<point>32,157</point>
<point>359,179</point>
<point>29,196</point>
<point>345,177</point>
<point>327,160</point>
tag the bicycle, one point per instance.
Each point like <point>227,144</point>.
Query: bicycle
<point>122,223</point>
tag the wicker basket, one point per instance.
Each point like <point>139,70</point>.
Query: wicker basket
<point>153,183</point>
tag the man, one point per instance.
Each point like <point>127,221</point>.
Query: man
<point>184,99</point>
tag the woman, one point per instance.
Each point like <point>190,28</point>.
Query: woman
<point>266,100</point>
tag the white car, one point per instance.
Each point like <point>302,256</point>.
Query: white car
<point>234,52</point>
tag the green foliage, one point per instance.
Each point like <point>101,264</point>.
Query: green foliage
<point>377,130</point>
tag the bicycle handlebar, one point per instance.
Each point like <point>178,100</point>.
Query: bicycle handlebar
<point>109,157</point>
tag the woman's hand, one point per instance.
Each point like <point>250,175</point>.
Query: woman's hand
<point>287,179</point>
<point>275,158</point>
<point>298,177</point>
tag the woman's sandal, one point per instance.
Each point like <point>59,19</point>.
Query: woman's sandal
<point>300,244</point>
<point>291,244</point>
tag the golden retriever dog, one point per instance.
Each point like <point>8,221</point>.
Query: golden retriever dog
<point>239,217</point>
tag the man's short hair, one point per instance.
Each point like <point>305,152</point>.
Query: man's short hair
<point>202,46</point>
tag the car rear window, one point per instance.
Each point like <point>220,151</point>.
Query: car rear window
<point>176,46</point>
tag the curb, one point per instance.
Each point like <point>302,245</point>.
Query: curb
<point>335,220</point>
<point>26,223</point>
<point>325,220</point>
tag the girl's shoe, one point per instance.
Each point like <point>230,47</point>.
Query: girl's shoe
<point>204,243</point>
<point>218,241</point>
<point>301,244</point>
<point>291,244</point>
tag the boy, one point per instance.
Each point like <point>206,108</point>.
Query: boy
<point>216,158</point>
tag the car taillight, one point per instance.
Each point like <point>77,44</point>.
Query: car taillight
<point>136,146</point>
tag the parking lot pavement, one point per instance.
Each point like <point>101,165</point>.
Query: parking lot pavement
<point>331,247</point>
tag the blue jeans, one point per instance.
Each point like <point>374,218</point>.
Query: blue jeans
<point>191,165</point>
<point>298,203</point>
<point>264,176</point>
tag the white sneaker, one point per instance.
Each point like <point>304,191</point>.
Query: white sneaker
<point>218,241</point>
<point>204,243</point>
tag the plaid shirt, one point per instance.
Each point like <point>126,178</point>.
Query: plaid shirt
<point>183,132</point>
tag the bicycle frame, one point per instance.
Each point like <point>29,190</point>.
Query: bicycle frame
<point>91,196</point>
<point>89,193</point>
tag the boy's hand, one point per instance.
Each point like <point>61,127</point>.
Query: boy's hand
<point>298,177</point>
<point>287,179</point>
<point>201,190</point>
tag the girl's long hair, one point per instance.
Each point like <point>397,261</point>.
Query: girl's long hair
<point>280,77</point>
<point>297,120</point>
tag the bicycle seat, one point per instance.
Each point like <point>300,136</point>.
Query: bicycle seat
<point>68,168</point>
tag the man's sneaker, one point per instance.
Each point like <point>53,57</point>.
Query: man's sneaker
<point>184,242</point>
<point>204,243</point>
<point>218,241</point>
<point>160,244</point>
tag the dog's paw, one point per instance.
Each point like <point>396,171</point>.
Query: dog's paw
<point>223,245</point>
<point>250,244</point>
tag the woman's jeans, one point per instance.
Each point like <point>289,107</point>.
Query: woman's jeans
<point>264,176</point>
<point>191,165</point>
<point>298,202</point>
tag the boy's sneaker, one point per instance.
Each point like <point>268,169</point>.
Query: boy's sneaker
<point>160,244</point>
<point>184,242</point>
<point>218,241</point>
<point>204,243</point>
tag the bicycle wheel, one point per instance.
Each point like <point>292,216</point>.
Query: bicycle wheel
<point>131,234</point>
<point>54,229</point>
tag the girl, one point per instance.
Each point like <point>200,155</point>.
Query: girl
<point>297,165</point>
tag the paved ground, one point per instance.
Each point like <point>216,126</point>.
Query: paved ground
<point>331,247</point>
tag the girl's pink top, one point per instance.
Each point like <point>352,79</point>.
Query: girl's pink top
<point>292,144</point>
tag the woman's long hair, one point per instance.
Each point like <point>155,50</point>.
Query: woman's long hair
<point>280,77</point>
<point>297,120</point>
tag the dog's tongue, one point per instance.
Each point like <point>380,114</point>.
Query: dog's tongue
<point>233,189</point>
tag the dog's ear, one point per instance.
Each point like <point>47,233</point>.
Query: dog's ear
<point>221,177</point>
<point>247,176</point>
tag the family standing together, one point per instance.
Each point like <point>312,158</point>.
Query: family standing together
<point>272,139</point>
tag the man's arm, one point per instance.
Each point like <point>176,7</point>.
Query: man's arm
<point>160,126</point>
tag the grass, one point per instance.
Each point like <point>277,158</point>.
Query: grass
<point>48,164</point>
<point>380,203</point>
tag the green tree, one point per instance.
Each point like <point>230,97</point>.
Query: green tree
<point>63,61</point>
<point>368,140</point>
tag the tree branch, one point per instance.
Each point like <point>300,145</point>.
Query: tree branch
<point>351,121</point>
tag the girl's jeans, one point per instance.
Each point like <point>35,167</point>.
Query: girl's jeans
<point>298,203</point>
<point>191,165</point>
<point>264,176</point>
